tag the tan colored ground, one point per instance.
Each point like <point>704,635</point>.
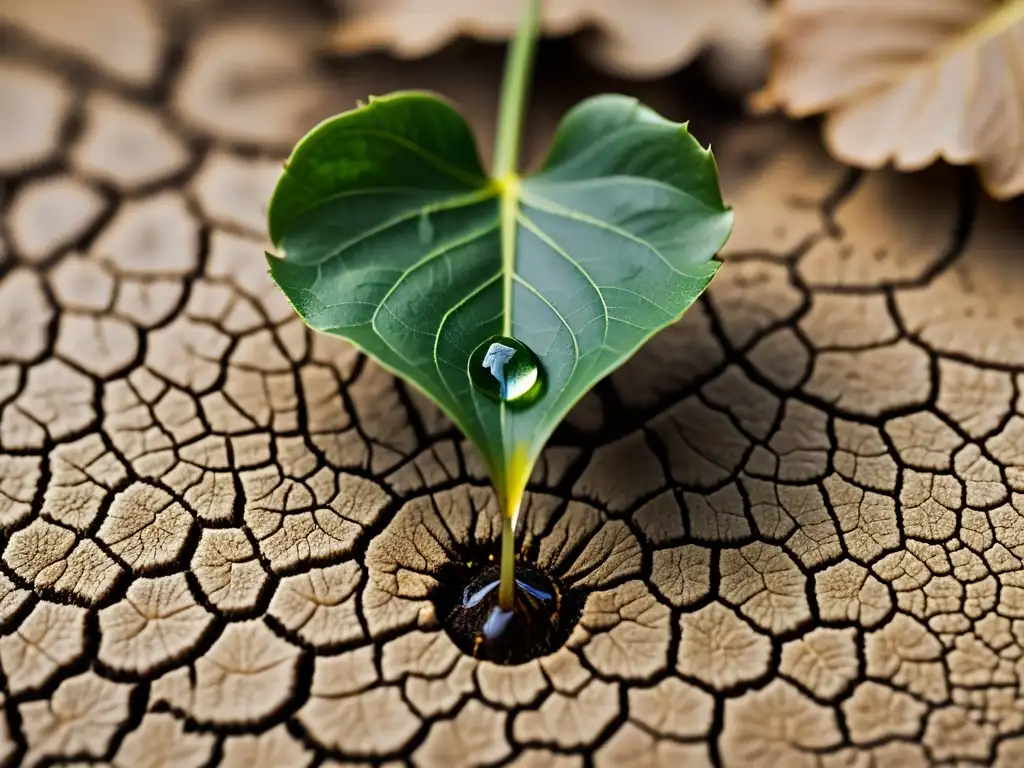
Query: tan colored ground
<point>799,514</point>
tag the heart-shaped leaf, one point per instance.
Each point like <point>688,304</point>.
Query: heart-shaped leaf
<point>392,235</point>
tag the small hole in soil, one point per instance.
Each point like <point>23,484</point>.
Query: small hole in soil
<point>466,601</point>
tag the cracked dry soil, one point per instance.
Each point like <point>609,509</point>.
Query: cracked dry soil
<point>797,517</point>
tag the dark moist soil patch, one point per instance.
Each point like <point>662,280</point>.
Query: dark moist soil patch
<point>466,601</point>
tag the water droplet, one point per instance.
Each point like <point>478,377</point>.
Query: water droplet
<point>541,620</point>
<point>506,369</point>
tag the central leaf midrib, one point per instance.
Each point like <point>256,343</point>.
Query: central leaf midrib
<point>509,189</point>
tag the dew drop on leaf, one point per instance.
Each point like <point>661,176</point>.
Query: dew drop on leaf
<point>505,369</point>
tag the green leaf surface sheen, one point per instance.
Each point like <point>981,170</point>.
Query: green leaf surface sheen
<point>390,233</point>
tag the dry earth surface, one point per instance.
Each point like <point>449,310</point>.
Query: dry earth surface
<point>797,517</point>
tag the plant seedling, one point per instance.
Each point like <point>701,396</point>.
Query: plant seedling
<point>504,298</point>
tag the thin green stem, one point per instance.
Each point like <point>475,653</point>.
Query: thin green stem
<point>507,585</point>
<point>514,88</point>
<point>518,67</point>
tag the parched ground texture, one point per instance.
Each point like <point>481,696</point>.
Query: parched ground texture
<point>798,515</point>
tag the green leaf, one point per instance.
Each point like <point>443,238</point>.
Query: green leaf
<point>390,234</point>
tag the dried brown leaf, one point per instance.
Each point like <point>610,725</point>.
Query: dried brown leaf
<point>907,81</point>
<point>639,38</point>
